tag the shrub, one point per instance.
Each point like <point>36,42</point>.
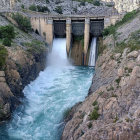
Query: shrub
<point>3,55</point>
<point>32,8</point>
<point>23,22</point>
<point>96,108</point>
<point>94,103</point>
<point>75,9</point>
<point>96,3</point>
<point>6,42</point>
<point>7,32</point>
<point>42,9</point>
<point>66,112</point>
<point>105,32</point>
<point>47,1</point>
<point>58,9</point>
<point>94,115</point>
<point>113,95</point>
<point>89,125</point>
<point>82,3</point>
<point>22,6</point>
<point>118,80</point>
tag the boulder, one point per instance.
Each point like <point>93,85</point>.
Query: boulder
<point>117,56</point>
<point>2,74</point>
<point>2,79</point>
<point>120,72</point>
<point>133,54</point>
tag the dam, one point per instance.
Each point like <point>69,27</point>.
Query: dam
<point>88,25</point>
<point>70,26</point>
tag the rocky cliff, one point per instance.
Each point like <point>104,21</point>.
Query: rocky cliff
<point>69,7</point>
<point>63,6</point>
<point>125,5</point>
<point>111,109</point>
<point>26,58</point>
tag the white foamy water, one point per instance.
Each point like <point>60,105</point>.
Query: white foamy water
<point>58,87</point>
<point>92,55</point>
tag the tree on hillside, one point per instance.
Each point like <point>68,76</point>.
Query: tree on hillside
<point>32,8</point>
<point>7,32</point>
<point>23,22</point>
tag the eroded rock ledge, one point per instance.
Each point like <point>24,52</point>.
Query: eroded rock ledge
<point>115,91</point>
<point>22,67</point>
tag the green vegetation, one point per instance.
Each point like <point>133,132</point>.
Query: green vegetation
<point>101,93</point>
<point>34,46</point>
<point>112,28</point>
<point>42,9</point>
<point>23,22</point>
<point>133,43</point>
<point>58,2</point>
<point>6,42</point>
<point>32,8</point>
<point>66,112</point>
<point>118,80</point>
<point>3,56</point>
<point>112,57</point>
<point>94,2</point>
<point>116,119</point>
<point>94,115</point>
<point>109,5</point>
<point>113,95</point>
<point>47,1</point>
<point>79,38</point>
<point>89,125</point>
<point>94,103</point>
<point>7,33</point>
<point>58,9</point>
<point>22,6</point>
<point>82,3</point>
<point>109,89</point>
<point>75,9</point>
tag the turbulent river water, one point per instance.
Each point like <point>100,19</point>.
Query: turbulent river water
<point>57,88</point>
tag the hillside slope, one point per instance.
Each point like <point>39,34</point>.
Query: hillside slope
<point>26,58</point>
<point>112,107</point>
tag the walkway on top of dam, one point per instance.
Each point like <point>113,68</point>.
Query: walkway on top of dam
<point>31,14</point>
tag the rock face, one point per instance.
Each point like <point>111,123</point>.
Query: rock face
<point>67,6</point>
<point>115,95</point>
<point>17,76</point>
<point>26,58</point>
<point>125,5</point>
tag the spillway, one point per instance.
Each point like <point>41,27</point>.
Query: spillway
<point>57,88</point>
<point>92,55</point>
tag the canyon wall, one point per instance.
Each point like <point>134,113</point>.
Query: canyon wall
<point>111,111</point>
<point>26,58</point>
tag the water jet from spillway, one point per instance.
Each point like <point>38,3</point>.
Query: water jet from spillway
<point>92,56</point>
<point>58,56</point>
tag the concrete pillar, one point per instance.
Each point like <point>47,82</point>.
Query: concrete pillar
<point>86,37</point>
<point>68,35</point>
<point>49,31</point>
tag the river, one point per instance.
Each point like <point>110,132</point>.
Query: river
<point>57,88</point>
